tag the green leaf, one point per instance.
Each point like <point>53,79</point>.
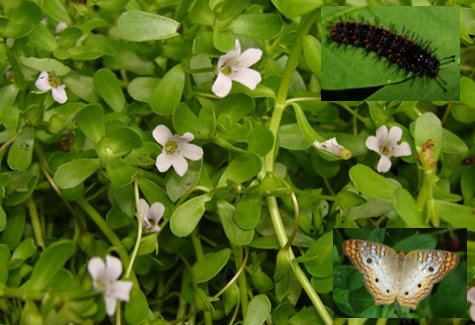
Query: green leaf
<point>108,87</point>
<point>294,8</point>
<point>428,127</point>
<point>459,215</point>
<point>120,173</point>
<point>451,143</point>
<point>111,5</point>
<point>467,92</point>
<point>184,120</point>
<point>258,310</point>
<point>42,38</point>
<point>467,184</point>
<point>242,168</point>
<point>260,141</point>
<point>136,309</point>
<point>21,151</point>
<point>372,184</point>
<point>23,20</point>
<point>212,264</point>
<point>24,251</point>
<point>290,137</point>
<point>124,139</point>
<point>177,186</point>
<point>4,257</point>
<point>154,193</point>
<point>260,26</point>
<point>320,256</point>
<point>75,172</point>
<point>407,210</point>
<point>51,261</point>
<point>248,209</point>
<point>56,10</point>
<point>141,26</point>
<point>91,122</point>
<point>234,233</point>
<point>167,95</point>
<point>312,50</point>
<point>185,218</point>
<point>141,88</point>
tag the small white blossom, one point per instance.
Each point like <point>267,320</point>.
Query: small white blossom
<point>386,145</point>
<point>175,149</point>
<point>44,83</point>
<point>471,300</point>
<point>331,146</point>
<point>60,27</point>
<point>235,66</point>
<point>104,279</point>
<point>153,213</point>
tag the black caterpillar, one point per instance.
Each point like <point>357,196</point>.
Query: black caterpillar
<point>407,52</point>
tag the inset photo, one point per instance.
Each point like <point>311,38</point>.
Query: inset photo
<point>390,53</point>
<point>400,273</point>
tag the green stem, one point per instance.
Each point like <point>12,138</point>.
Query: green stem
<point>139,230</point>
<point>366,121</point>
<point>280,104</point>
<point>242,282</point>
<point>110,235</point>
<point>195,239</point>
<point>35,222</point>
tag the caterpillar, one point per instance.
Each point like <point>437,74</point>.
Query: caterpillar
<point>407,52</point>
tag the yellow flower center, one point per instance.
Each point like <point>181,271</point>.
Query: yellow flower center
<point>226,70</point>
<point>170,147</point>
<point>53,83</point>
<point>384,150</point>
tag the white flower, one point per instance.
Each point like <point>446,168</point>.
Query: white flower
<point>154,213</point>
<point>44,83</point>
<point>60,27</point>
<point>235,66</point>
<point>471,299</point>
<point>175,149</point>
<point>385,144</point>
<point>331,146</point>
<point>104,279</point>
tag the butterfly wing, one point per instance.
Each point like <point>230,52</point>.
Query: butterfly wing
<point>421,270</point>
<point>378,263</point>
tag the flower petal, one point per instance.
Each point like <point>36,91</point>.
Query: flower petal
<point>156,212</point>
<point>248,77</point>
<point>401,150</point>
<point>59,94</point>
<point>249,57</point>
<point>111,303</point>
<point>191,151</point>
<point>145,212</point>
<point>382,135</point>
<point>472,312</point>
<point>180,165</point>
<point>384,164</point>
<point>231,56</point>
<point>163,162</point>
<point>96,267</point>
<point>42,83</point>
<point>187,137</point>
<point>113,268</point>
<point>121,290</point>
<point>222,86</point>
<point>471,295</point>
<point>162,134</point>
<point>372,143</point>
<point>395,134</point>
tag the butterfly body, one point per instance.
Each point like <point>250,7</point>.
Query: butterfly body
<point>388,275</point>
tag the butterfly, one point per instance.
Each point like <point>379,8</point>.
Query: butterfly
<point>388,276</point>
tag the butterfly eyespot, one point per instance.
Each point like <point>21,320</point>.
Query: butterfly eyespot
<point>376,280</point>
<point>406,293</point>
<point>431,269</point>
<point>419,285</point>
<point>369,261</point>
<point>387,290</point>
